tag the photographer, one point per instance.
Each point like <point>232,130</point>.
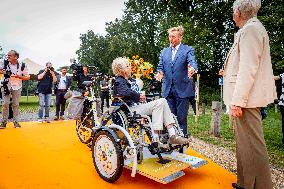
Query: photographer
<point>14,72</point>
<point>46,77</point>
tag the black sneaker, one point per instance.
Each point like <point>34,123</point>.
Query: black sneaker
<point>3,125</point>
<point>16,124</point>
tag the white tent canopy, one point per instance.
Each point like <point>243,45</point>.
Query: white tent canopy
<point>33,67</point>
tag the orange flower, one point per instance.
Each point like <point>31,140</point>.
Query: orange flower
<point>140,68</point>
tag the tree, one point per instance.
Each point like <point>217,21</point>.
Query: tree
<point>209,29</point>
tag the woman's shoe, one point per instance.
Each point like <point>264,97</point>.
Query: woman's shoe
<point>235,185</point>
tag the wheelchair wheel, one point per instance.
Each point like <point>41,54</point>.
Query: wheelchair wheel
<point>84,131</point>
<point>107,156</point>
<point>120,118</point>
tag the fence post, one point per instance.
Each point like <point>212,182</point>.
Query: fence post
<point>216,118</point>
<point>203,108</point>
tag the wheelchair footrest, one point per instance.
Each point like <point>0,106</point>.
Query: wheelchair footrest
<point>165,173</point>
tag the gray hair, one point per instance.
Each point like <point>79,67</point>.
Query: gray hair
<point>119,65</point>
<point>180,29</point>
<point>248,8</point>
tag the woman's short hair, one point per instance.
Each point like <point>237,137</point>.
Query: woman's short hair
<point>180,29</point>
<point>248,8</point>
<point>119,65</point>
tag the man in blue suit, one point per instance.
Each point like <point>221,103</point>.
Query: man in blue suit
<point>177,65</point>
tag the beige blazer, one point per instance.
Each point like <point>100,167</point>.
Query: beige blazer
<point>248,74</point>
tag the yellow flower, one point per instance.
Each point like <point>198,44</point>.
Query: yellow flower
<point>140,68</point>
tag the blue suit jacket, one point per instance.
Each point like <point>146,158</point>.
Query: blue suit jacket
<point>175,72</point>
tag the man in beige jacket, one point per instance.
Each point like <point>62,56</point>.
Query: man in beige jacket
<point>249,85</point>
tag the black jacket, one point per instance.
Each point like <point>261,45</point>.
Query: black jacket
<point>44,85</point>
<point>122,88</point>
<point>80,78</point>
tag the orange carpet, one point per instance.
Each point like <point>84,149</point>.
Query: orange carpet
<point>49,155</point>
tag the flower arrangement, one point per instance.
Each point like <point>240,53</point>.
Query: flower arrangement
<point>140,68</point>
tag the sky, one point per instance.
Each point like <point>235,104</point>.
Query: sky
<point>49,30</point>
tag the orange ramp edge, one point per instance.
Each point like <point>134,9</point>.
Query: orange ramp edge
<point>50,155</point>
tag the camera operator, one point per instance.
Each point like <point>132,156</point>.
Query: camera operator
<point>14,72</point>
<point>81,75</point>
<point>75,106</point>
<point>104,94</point>
<point>46,77</point>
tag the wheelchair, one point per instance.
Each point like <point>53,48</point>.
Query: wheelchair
<point>139,127</point>
<point>122,138</point>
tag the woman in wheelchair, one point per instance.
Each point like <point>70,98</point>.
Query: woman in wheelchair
<point>158,109</point>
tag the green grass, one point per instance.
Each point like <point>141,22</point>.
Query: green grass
<point>271,128</point>
<point>30,105</point>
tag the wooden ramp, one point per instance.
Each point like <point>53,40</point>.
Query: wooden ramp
<point>49,155</point>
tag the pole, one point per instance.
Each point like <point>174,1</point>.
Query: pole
<point>197,97</point>
<point>28,90</point>
<point>221,98</point>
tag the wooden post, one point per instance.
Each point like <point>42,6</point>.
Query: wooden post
<point>275,108</point>
<point>203,108</point>
<point>27,90</point>
<point>216,118</point>
<point>197,97</point>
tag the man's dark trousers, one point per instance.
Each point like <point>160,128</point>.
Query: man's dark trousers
<point>104,95</point>
<point>60,102</point>
<point>179,107</point>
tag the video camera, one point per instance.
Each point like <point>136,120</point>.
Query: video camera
<point>78,68</point>
<point>5,81</point>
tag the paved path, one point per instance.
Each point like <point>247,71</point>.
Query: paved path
<point>49,155</point>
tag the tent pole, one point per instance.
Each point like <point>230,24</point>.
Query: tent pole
<point>28,90</point>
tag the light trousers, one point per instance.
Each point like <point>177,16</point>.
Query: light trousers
<point>159,110</point>
<point>15,94</point>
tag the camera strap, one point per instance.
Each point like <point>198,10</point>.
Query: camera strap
<point>7,67</point>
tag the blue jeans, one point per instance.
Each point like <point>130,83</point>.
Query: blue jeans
<point>44,103</point>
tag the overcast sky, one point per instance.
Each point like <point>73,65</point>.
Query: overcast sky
<point>49,30</point>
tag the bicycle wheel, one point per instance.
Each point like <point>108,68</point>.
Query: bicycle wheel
<point>107,156</point>
<point>84,131</point>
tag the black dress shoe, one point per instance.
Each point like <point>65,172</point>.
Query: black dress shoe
<point>235,185</point>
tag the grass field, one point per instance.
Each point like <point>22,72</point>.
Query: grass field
<point>271,128</point>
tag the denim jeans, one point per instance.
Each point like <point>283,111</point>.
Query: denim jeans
<point>44,103</point>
